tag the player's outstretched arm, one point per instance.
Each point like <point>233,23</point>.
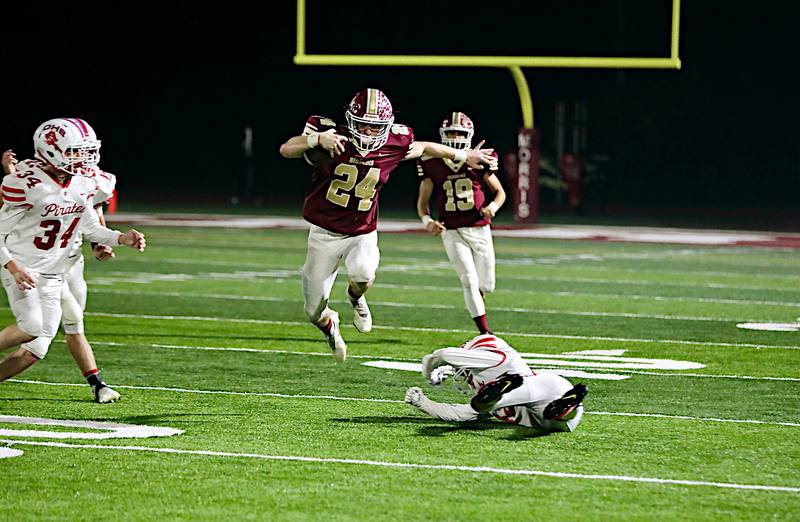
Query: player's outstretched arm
<point>102,252</point>
<point>494,185</point>
<point>423,208</point>
<point>475,158</point>
<point>95,232</point>
<point>328,140</point>
<point>440,410</point>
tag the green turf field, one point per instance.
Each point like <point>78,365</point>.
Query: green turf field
<point>205,333</point>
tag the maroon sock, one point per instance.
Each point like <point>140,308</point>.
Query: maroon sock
<point>481,323</point>
<point>325,329</point>
<point>353,298</point>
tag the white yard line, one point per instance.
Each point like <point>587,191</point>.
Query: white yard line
<point>708,376</point>
<point>554,262</point>
<point>446,330</point>
<point>575,364</point>
<point>661,235</point>
<point>686,417</point>
<point>435,268</point>
<point>214,392</point>
<point>390,401</point>
<point>280,276</point>
<point>393,304</point>
<point>408,465</point>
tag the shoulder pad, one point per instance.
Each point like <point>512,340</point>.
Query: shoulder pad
<point>318,124</point>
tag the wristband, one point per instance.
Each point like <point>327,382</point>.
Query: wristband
<point>312,140</point>
<point>494,206</point>
<point>460,156</point>
<point>425,220</point>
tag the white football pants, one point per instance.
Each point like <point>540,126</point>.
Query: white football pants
<point>38,310</point>
<point>471,252</point>
<point>73,296</point>
<point>535,394</point>
<point>325,250</point>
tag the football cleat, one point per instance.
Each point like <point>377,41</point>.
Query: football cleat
<point>362,318</point>
<point>560,409</point>
<point>335,341</point>
<point>414,396</point>
<point>490,394</point>
<point>103,394</point>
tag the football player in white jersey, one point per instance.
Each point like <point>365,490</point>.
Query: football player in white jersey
<point>73,291</point>
<point>505,388</point>
<point>46,205</point>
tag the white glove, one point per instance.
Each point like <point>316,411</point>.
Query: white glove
<point>414,396</point>
<point>438,375</point>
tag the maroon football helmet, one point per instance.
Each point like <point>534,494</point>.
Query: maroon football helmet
<point>369,107</point>
<point>458,122</point>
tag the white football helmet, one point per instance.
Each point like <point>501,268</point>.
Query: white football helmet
<point>67,144</point>
<point>460,123</point>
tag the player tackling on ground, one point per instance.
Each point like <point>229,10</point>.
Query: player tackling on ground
<point>352,162</point>
<point>464,214</point>
<point>505,387</point>
<point>45,206</point>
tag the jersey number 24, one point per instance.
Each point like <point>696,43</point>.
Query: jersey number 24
<point>340,188</point>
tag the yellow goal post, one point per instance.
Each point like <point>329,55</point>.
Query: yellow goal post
<point>513,63</point>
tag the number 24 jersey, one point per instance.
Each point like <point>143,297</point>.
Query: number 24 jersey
<point>343,194</point>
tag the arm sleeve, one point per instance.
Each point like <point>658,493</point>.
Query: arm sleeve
<point>448,412</point>
<point>9,217</point>
<point>469,359</point>
<point>94,231</point>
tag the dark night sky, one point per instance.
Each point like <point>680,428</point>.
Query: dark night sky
<point>170,86</point>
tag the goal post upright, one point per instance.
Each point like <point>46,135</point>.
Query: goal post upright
<point>513,63</point>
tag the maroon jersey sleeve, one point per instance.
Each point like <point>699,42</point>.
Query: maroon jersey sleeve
<point>316,124</point>
<point>421,170</point>
<point>343,194</point>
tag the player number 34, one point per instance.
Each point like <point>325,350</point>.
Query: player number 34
<point>339,190</point>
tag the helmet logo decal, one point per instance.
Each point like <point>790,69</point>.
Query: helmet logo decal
<point>51,139</point>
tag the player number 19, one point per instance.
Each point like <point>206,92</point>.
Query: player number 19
<point>462,193</point>
<point>338,192</point>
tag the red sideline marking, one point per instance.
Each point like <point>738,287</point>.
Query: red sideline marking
<point>777,242</point>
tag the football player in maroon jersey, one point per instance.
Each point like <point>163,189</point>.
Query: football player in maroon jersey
<point>464,213</point>
<point>351,164</point>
